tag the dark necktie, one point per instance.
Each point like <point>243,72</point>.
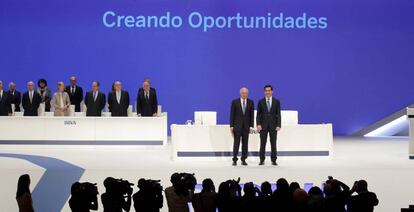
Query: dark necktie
<point>146,96</point>
<point>268,105</point>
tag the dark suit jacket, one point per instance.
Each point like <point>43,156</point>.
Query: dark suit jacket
<point>118,109</point>
<point>75,98</point>
<point>147,107</point>
<point>265,118</point>
<point>5,105</point>
<point>30,108</point>
<point>16,98</point>
<point>94,108</point>
<point>238,120</point>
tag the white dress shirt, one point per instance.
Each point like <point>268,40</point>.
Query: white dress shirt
<point>245,104</point>
<point>118,97</point>
<point>31,96</point>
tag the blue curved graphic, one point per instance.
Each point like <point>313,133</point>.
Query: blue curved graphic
<point>53,189</point>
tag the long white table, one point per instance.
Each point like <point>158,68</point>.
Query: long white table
<point>84,130</point>
<point>216,141</point>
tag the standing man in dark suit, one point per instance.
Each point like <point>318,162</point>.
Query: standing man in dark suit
<point>241,124</point>
<point>31,100</point>
<point>268,122</point>
<point>75,93</point>
<point>147,103</point>
<point>95,101</point>
<point>15,96</point>
<point>5,106</point>
<point>118,101</point>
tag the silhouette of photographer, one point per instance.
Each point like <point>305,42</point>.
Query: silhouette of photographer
<point>84,197</point>
<point>149,198</point>
<point>206,200</point>
<point>117,196</point>
<point>181,192</point>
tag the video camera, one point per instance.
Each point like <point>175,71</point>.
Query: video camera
<point>184,183</point>
<point>118,186</point>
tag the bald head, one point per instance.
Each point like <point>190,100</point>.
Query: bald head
<point>244,93</point>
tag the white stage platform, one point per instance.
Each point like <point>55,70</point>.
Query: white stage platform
<point>216,142</point>
<point>207,141</point>
<point>78,130</point>
<point>381,161</point>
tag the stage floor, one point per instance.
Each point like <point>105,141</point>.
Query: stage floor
<point>383,162</point>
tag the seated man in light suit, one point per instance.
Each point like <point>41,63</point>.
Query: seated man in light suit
<point>118,101</point>
<point>95,101</point>
<point>147,102</point>
<point>61,101</point>
<point>31,100</point>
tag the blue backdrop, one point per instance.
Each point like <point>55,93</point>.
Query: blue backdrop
<point>351,73</point>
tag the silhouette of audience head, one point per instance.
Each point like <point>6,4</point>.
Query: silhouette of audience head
<point>249,189</point>
<point>282,185</point>
<point>141,183</point>
<point>266,188</point>
<point>108,183</point>
<point>208,185</point>
<point>300,196</point>
<point>23,185</point>
<point>362,186</point>
<point>75,188</point>
<point>293,186</point>
<point>175,179</point>
<point>315,191</point>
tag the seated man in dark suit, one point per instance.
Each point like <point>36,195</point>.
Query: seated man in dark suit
<point>31,100</point>
<point>75,93</point>
<point>5,105</point>
<point>118,100</point>
<point>147,103</point>
<point>15,97</point>
<point>95,101</point>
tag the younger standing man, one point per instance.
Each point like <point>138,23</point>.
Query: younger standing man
<point>268,122</point>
